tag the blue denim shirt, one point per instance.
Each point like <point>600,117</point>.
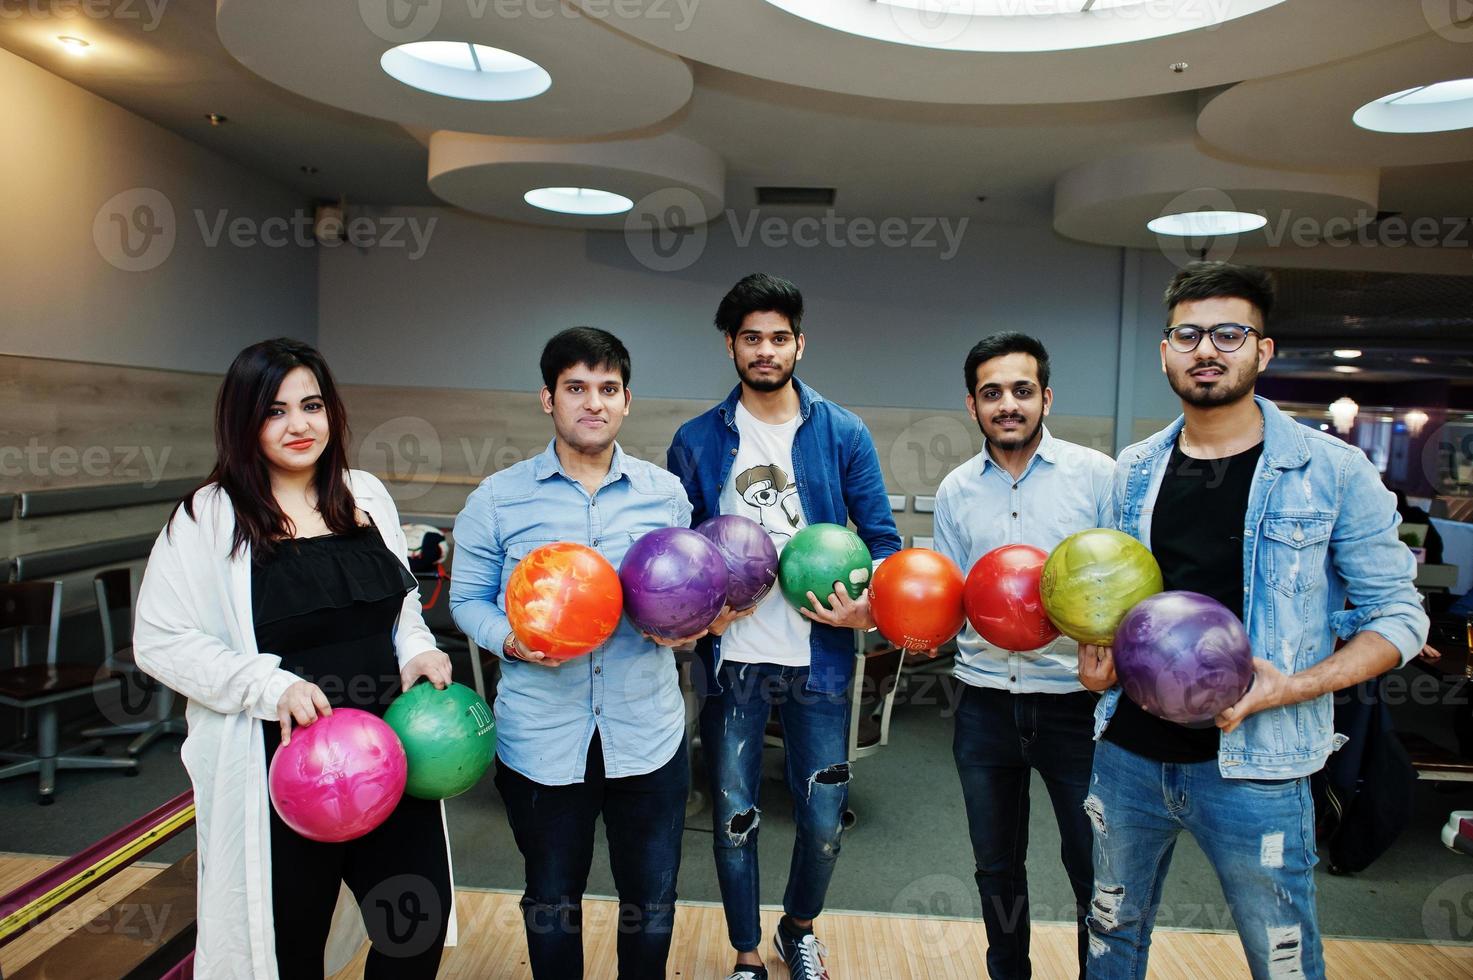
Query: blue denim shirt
<point>1065,488</point>
<point>1320,529</point>
<point>838,475</point>
<point>628,688</point>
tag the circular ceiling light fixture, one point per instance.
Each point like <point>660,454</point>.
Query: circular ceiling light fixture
<point>73,44</point>
<point>1437,108</point>
<point>1345,369</point>
<point>1347,353</point>
<point>1205,224</point>
<point>577,200</point>
<point>1017,25</point>
<point>462,70</point>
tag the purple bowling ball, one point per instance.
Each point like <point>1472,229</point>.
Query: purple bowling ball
<point>674,582</point>
<point>751,558</point>
<point>1183,656</point>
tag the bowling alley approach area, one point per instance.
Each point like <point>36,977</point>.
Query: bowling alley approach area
<point>736,489</point>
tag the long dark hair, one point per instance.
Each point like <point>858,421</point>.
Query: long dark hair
<point>241,470</point>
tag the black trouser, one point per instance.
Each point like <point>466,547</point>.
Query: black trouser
<point>400,874</point>
<point>1000,739</point>
<point>644,817</point>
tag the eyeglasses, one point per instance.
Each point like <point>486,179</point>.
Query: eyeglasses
<point>1226,337</point>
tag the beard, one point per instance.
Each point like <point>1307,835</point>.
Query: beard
<point>770,382</point>
<point>1224,391</point>
<point>1012,440</point>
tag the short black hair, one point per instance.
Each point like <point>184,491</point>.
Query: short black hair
<point>1006,342</point>
<point>760,293</point>
<point>583,345</point>
<point>1214,280</point>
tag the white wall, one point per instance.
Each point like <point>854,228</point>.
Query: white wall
<point>193,304</point>
<point>885,326</point>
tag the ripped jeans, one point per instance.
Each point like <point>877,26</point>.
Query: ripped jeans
<point>816,740</point>
<point>1257,834</point>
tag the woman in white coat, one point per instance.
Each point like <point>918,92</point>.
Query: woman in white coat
<point>277,591</point>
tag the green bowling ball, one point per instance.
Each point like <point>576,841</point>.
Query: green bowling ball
<point>449,737</point>
<point>1092,580</point>
<point>816,558</point>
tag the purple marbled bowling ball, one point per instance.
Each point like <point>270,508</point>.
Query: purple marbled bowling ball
<point>750,555</point>
<point>674,582</point>
<point>1183,656</point>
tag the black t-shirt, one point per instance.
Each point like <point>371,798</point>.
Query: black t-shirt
<point>1197,538</point>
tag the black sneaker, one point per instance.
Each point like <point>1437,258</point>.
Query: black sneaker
<point>801,950</point>
<point>745,971</point>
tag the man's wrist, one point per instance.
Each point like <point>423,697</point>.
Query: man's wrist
<point>509,647</point>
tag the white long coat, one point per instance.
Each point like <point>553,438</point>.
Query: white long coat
<point>195,634</point>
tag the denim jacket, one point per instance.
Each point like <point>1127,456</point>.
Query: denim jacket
<point>838,475</point>
<point>1320,529</point>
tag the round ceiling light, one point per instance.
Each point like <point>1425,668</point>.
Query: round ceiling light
<point>461,70</point>
<point>577,200</point>
<point>1017,25</point>
<point>1205,224</point>
<point>1347,353</point>
<point>1437,108</point>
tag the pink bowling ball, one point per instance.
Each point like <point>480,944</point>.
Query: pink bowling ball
<point>340,777</point>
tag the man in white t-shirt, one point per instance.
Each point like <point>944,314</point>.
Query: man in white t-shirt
<point>777,452</point>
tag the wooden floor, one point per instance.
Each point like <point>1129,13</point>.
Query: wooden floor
<point>863,946</point>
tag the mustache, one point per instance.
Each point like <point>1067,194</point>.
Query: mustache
<point>1213,365</point>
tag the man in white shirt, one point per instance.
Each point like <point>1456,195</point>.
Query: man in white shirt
<point>779,453</point>
<point>1020,711</point>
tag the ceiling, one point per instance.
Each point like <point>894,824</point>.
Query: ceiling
<point>724,96</point>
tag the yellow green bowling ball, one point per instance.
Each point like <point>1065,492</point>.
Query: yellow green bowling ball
<point>449,737</point>
<point>1092,580</point>
<point>816,558</point>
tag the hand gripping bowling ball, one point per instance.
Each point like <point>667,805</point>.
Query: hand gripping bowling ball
<point>449,738</point>
<point>917,600</point>
<point>339,777</point>
<point>1183,656</point>
<point>816,558</point>
<point>751,558</point>
<point>564,600</point>
<point>1002,601</point>
<point>674,582</point>
<point>1092,579</point>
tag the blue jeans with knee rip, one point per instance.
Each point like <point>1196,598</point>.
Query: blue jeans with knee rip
<point>1258,835</point>
<point>816,740</point>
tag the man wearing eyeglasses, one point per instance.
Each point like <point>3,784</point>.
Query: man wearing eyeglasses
<point>1282,524</point>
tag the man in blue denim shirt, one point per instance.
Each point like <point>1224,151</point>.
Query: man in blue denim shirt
<point>775,451</point>
<point>1282,524</point>
<point>597,734</point>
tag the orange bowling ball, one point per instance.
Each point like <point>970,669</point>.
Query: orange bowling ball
<point>917,599</point>
<point>1002,600</point>
<point>564,600</point>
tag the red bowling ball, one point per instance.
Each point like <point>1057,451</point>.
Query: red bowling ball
<point>1002,601</point>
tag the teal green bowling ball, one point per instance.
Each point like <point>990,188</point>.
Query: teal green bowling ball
<point>816,558</point>
<point>449,737</point>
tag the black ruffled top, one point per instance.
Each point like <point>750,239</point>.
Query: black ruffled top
<point>328,606</point>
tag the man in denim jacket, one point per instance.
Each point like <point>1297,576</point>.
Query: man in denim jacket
<point>1282,524</point>
<point>775,451</point>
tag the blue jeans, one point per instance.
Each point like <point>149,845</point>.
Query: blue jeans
<point>1000,738</point>
<point>816,744</point>
<point>553,825</point>
<point>1258,835</point>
